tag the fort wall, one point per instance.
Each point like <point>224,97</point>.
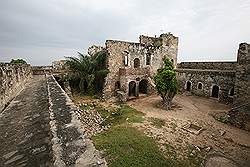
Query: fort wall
<point>12,80</point>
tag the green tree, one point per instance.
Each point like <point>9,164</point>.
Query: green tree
<point>166,83</point>
<point>18,61</point>
<point>88,69</point>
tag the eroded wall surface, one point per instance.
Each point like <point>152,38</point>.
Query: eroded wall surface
<point>12,80</point>
<point>224,79</point>
<point>242,81</point>
<point>150,52</point>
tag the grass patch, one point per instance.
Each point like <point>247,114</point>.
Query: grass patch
<point>157,122</point>
<point>223,119</point>
<point>121,115</point>
<point>128,147</point>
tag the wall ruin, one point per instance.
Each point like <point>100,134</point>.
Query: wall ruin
<point>12,80</point>
<point>203,76</point>
<point>232,78</point>
<point>133,62</point>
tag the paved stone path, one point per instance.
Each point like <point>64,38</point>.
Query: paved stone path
<point>40,127</point>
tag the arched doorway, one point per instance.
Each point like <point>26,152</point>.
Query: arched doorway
<point>188,86</point>
<point>136,63</point>
<point>215,91</point>
<point>132,88</point>
<point>143,86</point>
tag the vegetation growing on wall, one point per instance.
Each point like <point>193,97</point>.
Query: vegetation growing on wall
<point>166,83</point>
<point>87,73</point>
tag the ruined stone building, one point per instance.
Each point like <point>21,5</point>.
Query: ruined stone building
<point>229,82</point>
<point>132,65</point>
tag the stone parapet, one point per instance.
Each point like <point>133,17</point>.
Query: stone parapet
<point>12,80</point>
<point>208,65</point>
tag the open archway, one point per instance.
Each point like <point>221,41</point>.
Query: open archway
<point>132,88</point>
<point>143,86</point>
<point>215,91</point>
<point>188,86</point>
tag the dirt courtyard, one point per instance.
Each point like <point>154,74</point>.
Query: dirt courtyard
<point>191,130</point>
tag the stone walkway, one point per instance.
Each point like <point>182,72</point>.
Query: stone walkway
<point>40,127</point>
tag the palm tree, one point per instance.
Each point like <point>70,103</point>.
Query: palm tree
<point>88,69</point>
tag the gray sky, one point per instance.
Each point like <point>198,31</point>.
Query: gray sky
<point>41,31</point>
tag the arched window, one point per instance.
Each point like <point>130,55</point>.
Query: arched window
<point>200,85</point>
<point>136,63</point>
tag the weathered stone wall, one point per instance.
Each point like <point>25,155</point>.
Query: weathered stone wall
<point>155,48</point>
<point>41,70</point>
<point>208,65</point>
<point>12,80</point>
<point>208,78</point>
<point>227,75</point>
<point>92,50</point>
<point>239,115</point>
<point>242,82</point>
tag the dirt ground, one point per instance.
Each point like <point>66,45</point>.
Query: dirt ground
<point>217,143</point>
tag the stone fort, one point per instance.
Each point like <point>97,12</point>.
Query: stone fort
<point>132,66</point>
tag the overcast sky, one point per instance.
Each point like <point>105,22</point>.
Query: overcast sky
<point>41,31</point>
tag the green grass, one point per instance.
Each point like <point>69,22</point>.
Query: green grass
<point>158,123</point>
<point>124,114</point>
<point>127,147</point>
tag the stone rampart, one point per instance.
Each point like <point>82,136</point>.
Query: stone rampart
<point>208,65</point>
<point>12,80</point>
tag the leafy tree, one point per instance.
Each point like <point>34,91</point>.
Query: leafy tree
<point>18,61</point>
<point>166,83</point>
<point>89,70</point>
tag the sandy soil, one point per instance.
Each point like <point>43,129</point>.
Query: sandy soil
<point>215,138</point>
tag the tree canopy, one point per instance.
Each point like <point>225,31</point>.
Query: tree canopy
<point>166,83</point>
<point>18,61</point>
<point>90,71</point>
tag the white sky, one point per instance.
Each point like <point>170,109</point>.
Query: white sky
<point>41,31</point>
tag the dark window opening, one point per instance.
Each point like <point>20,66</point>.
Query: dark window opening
<point>148,59</point>
<point>143,86</point>
<point>215,91</point>
<point>117,85</point>
<point>188,88</point>
<point>199,85</point>
<point>231,92</point>
<point>136,63</point>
